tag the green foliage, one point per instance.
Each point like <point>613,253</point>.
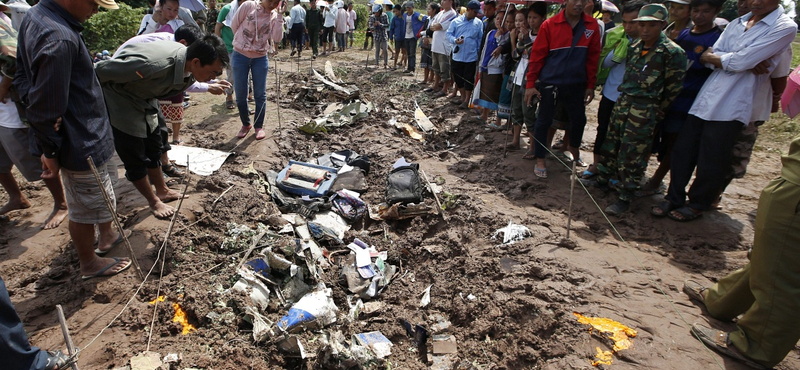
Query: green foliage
<point>108,29</point>
<point>362,16</point>
<point>729,10</point>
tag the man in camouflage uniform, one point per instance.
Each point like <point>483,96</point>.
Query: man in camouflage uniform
<point>654,72</point>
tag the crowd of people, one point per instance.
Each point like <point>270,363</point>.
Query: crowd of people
<point>673,84</point>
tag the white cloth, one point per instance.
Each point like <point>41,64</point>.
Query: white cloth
<point>330,16</point>
<point>739,52</point>
<point>9,117</point>
<point>409,30</point>
<point>17,10</point>
<point>762,103</point>
<point>229,18</point>
<point>439,44</point>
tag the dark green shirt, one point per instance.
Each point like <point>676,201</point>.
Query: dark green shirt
<point>313,19</point>
<point>135,79</point>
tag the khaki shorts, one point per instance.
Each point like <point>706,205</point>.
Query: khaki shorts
<point>14,152</point>
<point>85,201</point>
<point>441,66</point>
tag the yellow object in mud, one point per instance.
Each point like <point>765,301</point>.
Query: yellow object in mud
<point>180,316</point>
<point>160,298</point>
<point>615,331</point>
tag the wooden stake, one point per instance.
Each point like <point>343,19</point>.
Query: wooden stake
<point>438,203</point>
<point>571,191</point>
<point>67,338</point>
<point>278,93</point>
<point>114,217</point>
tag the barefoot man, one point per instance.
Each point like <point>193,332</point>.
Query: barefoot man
<point>132,82</point>
<point>14,143</point>
<point>55,81</point>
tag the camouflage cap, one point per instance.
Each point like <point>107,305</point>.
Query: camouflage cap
<point>652,12</point>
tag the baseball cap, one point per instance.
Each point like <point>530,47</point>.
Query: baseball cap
<point>684,2</point>
<point>409,4</point>
<point>108,4</point>
<point>474,4</point>
<point>652,12</point>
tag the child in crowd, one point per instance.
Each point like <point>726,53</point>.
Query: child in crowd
<point>504,105</point>
<point>492,65</point>
<point>427,60</point>
<point>397,32</point>
<point>527,24</point>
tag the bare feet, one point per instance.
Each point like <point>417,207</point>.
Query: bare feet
<point>169,196</point>
<point>102,267</point>
<point>162,210</point>
<point>14,205</point>
<point>56,217</point>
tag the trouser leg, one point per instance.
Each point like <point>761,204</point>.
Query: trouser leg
<point>684,159</point>
<point>15,350</point>
<point>713,162</point>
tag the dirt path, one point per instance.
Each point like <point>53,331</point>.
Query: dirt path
<point>525,293</point>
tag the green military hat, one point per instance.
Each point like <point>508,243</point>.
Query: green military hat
<point>652,12</point>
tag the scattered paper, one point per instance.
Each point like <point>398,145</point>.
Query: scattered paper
<point>201,161</point>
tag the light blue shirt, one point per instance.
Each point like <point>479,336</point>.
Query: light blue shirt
<point>615,75</point>
<point>472,31</point>
<point>297,16</point>
<point>728,93</point>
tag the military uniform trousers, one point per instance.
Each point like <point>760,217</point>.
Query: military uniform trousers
<point>767,289</point>
<point>628,142</point>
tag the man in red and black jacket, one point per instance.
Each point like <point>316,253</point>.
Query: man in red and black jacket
<point>563,64</point>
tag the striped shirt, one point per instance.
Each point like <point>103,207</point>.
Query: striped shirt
<point>55,78</point>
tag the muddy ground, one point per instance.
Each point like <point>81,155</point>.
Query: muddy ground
<point>525,294</point>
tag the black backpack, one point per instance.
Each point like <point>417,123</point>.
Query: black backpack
<point>404,185</point>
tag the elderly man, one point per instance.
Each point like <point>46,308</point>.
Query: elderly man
<point>465,33</point>
<point>132,82</point>
<point>67,113</point>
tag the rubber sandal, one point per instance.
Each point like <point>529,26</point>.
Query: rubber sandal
<point>587,175</point>
<point>56,360</point>
<point>580,163</point>
<point>172,170</point>
<point>98,274</point>
<point>662,209</point>
<point>230,104</point>
<point>686,214</point>
<point>120,238</point>
<point>529,155</point>
<point>243,131</point>
<point>540,172</point>
<point>720,342</point>
<point>177,142</point>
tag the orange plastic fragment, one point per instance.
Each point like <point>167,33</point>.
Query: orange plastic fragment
<point>180,316</point>
<point>616,331</point>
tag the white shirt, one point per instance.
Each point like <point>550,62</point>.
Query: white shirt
<point>330,16</point>
<point>9,117</point>
<point>409,30</point>
<point>615,76</point>
<point>439,43</point>
<point>762,103</point>
<point>728,94</point>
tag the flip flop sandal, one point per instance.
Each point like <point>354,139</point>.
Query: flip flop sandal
<point>529,156</point>
<point>100,253</point>
<point>540,172</point>
<point>172,170</point>
<point>177,142</point>
<point>686,214</point>
<point>720,342</point>
<point>98,274</point>
<point>587,175</point>
<point>56,360</point>
<point>662,209</point>
<point>230,104</point>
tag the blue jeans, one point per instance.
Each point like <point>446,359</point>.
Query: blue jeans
<point>242,66</point>
<point>15,350</point>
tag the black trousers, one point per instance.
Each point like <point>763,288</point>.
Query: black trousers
<point>603,120</point>
<point>572,96</point>
<point>15,350</point>
<point>138,154</point>
<point>708,147</point>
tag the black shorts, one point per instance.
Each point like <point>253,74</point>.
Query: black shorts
<point>327,34</point>
<point>464,73</point>
<point>138,154</point>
